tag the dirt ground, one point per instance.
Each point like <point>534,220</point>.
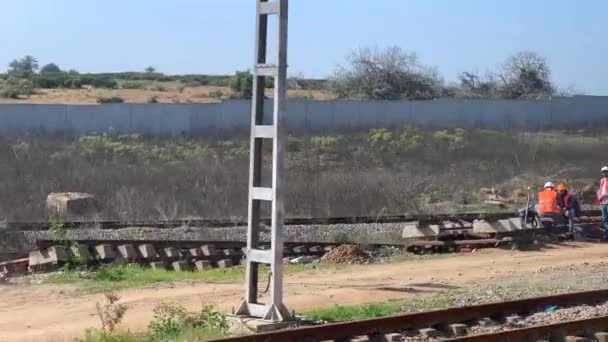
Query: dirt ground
<point>59,313</point>
<point>200,94</point>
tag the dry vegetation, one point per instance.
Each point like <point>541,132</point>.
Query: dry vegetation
<point>165,92</point>
<point>376,172</point>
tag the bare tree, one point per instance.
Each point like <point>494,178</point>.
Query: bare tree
<point>526,75</point>
<point>474,86</point>
<point>390,74</point>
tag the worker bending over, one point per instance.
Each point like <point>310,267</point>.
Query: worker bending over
<point>568,204</point>
<point>602,196</point>
<point>547,203</point>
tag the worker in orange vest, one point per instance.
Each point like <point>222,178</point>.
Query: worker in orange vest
<point>547,202</point>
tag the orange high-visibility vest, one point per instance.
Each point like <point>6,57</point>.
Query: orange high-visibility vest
<point>547,202</point>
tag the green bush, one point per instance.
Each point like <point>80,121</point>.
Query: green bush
<point>410,139</point>
<point>51,80</point>
<point>133,148</point>
<point>111,99</point>
<point>14,88</point>
<point>132,85</point>
<point>216,94</point>
<point>100,82</point>
<point>379,136</point>
<point>171,320</point>
<point>73,83</point>
<point>453,140</point>
<point>242,84</point>
<point>326,141</point>
<point>110,274</point>
<point>158,87</point>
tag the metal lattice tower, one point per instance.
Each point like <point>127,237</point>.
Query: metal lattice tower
<point>274,309</point>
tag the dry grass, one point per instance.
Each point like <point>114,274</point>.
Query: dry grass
<point>174,93</point>
<point>348,175</point>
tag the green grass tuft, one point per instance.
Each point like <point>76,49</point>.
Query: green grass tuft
<point>347,313</point>
<point>123,277</point>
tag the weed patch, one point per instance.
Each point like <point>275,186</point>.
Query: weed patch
<point>172,322</point>
<point>122,277</point>
<point>132,276</point>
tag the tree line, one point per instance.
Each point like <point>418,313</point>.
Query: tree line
<point>394,74</point>
<point>377,74</point>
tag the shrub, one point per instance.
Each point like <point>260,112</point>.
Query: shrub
<point>453,140</point>
<point>170,320</point>
<point>194,83</point>
<point>110,99</point>
<point>58,232</point>
<point>410,139</point>
<point>101,82</point>
<point>14,88</point>
<point>50,81</point>
<point>132,85</point>
<point>379,136</point>
<point>73,83</point>
<point>111,313</point>
<point>242,84</point>
<point>216,94</point>
<point>268,82</point>
<point>326,141</point>
<point>153,99</point>
<point>110,274</point>
<point>158,87</point>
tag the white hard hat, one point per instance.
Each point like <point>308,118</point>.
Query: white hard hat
<point>549,185</point>
<point>605,168</point>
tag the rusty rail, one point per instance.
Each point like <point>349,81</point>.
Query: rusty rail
<point>379,326</point>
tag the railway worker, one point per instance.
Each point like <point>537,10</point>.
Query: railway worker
<point>547,202</point>
<point>602,197</point>
<point>568,204</point>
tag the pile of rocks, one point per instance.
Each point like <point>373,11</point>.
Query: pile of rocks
<point>346,254</point>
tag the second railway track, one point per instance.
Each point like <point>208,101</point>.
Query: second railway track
<point>457,324</point>
<point>425,218</point>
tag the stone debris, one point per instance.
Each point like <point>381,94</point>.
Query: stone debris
<point>346,254</point>
<point>307,259</point>
<point>70,204</point>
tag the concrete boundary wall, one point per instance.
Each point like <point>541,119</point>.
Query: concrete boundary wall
<point>176,119</point>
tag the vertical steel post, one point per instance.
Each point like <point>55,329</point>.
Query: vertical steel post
<point>274,310</point>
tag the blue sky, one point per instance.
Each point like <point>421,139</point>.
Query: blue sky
<point>216,36</point>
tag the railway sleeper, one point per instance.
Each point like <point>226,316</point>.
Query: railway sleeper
<point>190,256</point>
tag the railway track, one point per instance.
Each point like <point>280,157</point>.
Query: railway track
<point>422,218</point>
<point>452,233</point>
<point>456,324</point>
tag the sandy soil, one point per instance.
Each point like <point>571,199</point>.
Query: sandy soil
<point>58,313</point>
<point>172,94</point>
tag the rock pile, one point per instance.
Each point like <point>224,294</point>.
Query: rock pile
<point>346,254</point>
